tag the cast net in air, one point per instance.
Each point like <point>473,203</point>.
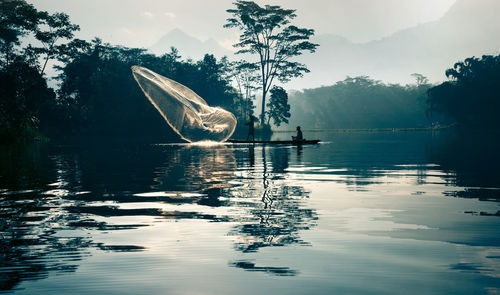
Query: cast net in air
<point>186,112</point>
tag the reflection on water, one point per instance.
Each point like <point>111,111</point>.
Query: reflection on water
<point>313,213</point>
<point>67,191</point>
<point>473,161</point>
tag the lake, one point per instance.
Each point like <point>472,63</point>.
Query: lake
<point>361,213</point>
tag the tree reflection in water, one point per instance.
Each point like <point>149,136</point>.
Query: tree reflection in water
<point>28,220</point>
<point>52,197</point>
<point>471,159</point>
<point>55,201</point>
<point>276,210</point>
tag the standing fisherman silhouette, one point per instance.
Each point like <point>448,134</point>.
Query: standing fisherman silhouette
<point>299,136</point>
<point>251,130</point>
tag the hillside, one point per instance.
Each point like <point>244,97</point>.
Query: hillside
<point>464,31</point>
<point>188,46</point>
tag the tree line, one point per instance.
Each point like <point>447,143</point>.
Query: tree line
<point>471,96</point>
<point>468,100</point>
<point>361,103</point>
<point>97,95</point>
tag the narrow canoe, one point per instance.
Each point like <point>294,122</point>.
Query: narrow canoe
<point>315,141</point>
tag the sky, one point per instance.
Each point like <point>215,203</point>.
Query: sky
<point>142,23</point>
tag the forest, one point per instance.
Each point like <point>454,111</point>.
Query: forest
<point>96,95</point>
<point>471,97</point>
<point>468,100</point>
<point>361,103</point>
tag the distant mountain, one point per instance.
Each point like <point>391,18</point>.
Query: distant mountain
<point>188,46</point>
<point>469,28</point>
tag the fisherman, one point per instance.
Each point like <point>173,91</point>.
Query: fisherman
<point>299,136</point>
<point>251,130</point>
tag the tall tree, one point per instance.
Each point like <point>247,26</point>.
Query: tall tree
<point>52,29</point>
<point>246,80</point>
<point>17,18</point>
<point>267,32</point>
<point>248,83</point>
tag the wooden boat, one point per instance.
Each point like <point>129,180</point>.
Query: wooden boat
<point>294,142</point>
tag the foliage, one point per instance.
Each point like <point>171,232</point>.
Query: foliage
<point>267,33</point>
<point>98,95</point>
<point>23,94</point>
<point>420,79</point>
<point>98,83</point>
<point>50,30</point>
<point>360,102</point>
<point>471,97</point>
<point>17,18</point>
<point>279,109</point>
<point>26,103</point>
<point>243,74</point>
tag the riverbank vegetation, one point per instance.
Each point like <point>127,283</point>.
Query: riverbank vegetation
<point>361,103</point>
<point>95,95</point>
<point>471,97</point>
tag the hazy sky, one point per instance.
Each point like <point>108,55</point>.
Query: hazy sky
<point>141,23</point>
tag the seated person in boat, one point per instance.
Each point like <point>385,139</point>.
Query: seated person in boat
<point>299,136</point>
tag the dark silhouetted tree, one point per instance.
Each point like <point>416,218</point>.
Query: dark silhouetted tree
<point>472,95</point>
<point>267,32</point>
<point>52,29</point>
<point>97,93</point>
<point>23,92</point>
<point>279,109</point>
<point>98,85</point>
<point>17,18</point>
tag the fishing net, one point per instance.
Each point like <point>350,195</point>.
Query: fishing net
<point>186,112</point>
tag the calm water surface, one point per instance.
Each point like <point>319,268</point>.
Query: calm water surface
<point>361,213</point>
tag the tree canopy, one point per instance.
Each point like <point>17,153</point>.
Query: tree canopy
<point>99,87</point>
<point>471,97</point>
<point>267,32</point>
<point>97,95</point>
<point>360,103</point>
<point>17,18</point>
<point>279,109</point>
